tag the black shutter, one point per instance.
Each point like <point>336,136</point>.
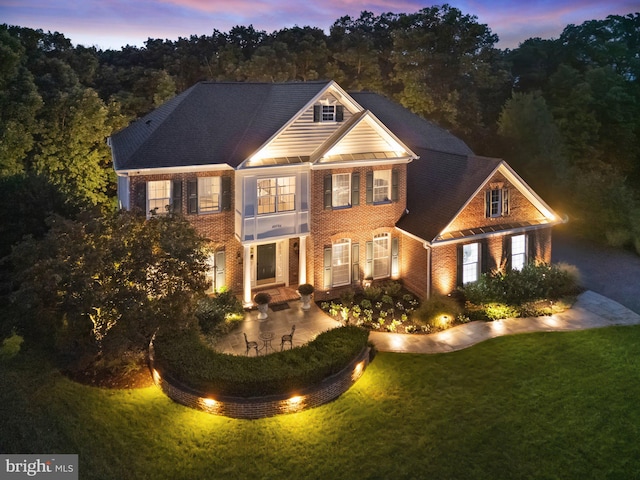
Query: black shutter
<point>339,113</point>
<point>328,190</point>
<point>317,113</point>
<point>531,248</point>
<point>394,185</point>
<point>506,253</point>
<point>487,210</point>
<point>484,256</point>
<point>355,189</point>
<point>370,187</point>
<point>459,267</point>
<point>225,204</point>
<point>140,196</point>
<point>192,195</point>
<point>176,196</point>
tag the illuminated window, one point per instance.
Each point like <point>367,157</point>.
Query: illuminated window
<point>158,196</point>
<point>381,250</point>
<point>381,186</point>
<point>276,195</point>
<point>518,251</point>
<point>208,194</point>
<point>341,193</point>
<point>341,262</point>
<point>470,262</point>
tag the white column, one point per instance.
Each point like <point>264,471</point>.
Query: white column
<point>302,261</point>
<point>246,280</point>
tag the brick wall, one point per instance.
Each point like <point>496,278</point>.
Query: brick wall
<point>359,223</point>
<point>520,209</point>
<point>261,407</point>
<point>414,265</point>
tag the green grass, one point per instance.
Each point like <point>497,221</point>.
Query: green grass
<point>546,405</point>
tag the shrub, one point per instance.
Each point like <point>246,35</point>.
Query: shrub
<point>533,282</point>
<point>387,299</point>
<point>365,303</point>
<point>184,356</point>
<point>434,310</point>
<point>497,311</point>
<point>372,293</point>
<point>305,289</point>
<point>261,298</point>
<point>217,314</point>
<point>346,298</point>
<point>617,237</point>
<point>392,288</point>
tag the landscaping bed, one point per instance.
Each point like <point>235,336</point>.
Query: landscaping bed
<point>534,291</point>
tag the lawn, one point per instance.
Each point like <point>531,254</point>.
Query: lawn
<point>545,405</point>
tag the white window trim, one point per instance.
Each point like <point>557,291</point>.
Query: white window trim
<point>344,190</point>
<point>159,208</point>
<point>216,195</point>
<point>378,258</point>
<point>470,267</point>
<point>382,175</point>
<point>344,243</point>
<point>522,255</point>
<point>277,203</point>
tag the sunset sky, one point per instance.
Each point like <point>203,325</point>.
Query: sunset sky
<point>116,23</point>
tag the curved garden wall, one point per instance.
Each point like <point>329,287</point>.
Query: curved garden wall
<point>260,407</point>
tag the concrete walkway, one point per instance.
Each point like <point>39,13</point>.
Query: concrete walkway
<point>591,310</point>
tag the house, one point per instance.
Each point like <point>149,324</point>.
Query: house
<point>304,182</point>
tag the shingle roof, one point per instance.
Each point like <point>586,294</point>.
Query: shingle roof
<point>210,123</point>
<point>413,130</point>
<point>438,185</point>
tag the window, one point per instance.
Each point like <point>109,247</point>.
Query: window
<point>208,194</point>
<point>341,262</point>
<point>518,251</point>
<point>381,247</point>
<point>159,196</point>
<point>341,190</point>
<point>276,195</point>
<point>381,186</point>
<point>497,200</point>
<point>328,113</point>
<point>470,262</point>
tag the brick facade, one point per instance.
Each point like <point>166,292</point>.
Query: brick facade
<point>358,223</point>
<point>473,215</point>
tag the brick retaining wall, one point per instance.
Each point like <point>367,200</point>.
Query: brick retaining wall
<point>261,407</point>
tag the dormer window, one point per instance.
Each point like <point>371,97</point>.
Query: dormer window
<point>328,113</point>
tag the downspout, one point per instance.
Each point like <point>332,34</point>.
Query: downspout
<point>428,249</point>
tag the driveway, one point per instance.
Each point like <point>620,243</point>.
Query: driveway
<point>608,271</point>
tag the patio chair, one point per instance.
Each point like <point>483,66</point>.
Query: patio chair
<point>288,338</point>
<point>250,345</point>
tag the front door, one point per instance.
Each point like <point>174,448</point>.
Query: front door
<point>266,264</point>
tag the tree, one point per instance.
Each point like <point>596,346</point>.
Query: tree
<point>441,62</point>
<point>19,105</point>
<point>99,287</point>
<point>531,140</point>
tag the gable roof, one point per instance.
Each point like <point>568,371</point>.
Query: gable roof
<point>210,123</point>
<point>439,184</point>
<point>416,132</point>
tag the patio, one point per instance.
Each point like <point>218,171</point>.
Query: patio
<point>285,310</point>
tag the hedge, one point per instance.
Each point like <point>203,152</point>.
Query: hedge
<point>185,357</point>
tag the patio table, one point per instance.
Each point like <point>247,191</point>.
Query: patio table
<point>266,338</point>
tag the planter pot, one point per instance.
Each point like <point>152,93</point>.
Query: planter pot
<point>306,302</point>
<point>262,311</point>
